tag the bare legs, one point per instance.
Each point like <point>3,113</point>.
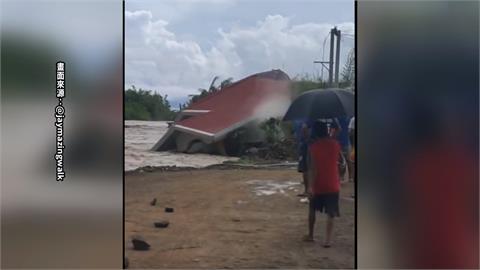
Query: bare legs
<point>311,222</point>
<point>351,169</point>
<point>305,181</point>
<point>328,236</point>
<point>311,225</point>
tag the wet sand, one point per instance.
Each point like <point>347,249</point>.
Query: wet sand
<point>231,218</point>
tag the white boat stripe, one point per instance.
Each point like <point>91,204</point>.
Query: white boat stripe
<point>195,111</point>
<point>193,130</point>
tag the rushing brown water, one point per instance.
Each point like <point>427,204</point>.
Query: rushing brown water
<point>140,136</point>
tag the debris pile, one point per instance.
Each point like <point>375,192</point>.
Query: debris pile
<point>282,150</point>
<point>279,145</point>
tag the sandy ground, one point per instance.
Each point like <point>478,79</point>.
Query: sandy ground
<point>247,218</point>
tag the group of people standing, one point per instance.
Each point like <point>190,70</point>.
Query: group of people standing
<point>324,144</point>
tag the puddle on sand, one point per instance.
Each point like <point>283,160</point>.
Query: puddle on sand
<point>270,187</point>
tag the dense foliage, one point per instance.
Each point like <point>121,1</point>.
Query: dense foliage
<point>305,83</point>
<point>144,105</point>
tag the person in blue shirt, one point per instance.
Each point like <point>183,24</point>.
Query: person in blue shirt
<point>302,135</point>
<point>340,125</point>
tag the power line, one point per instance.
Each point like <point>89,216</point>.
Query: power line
<point>323,55</point>
<point>344,36</point>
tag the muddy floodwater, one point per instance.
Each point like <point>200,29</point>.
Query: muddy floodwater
<point>140,136</point>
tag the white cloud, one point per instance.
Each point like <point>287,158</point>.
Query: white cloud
<point>177,11</point>
<point>156,58</point>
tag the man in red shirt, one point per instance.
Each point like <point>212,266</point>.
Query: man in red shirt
<point>323,179</point>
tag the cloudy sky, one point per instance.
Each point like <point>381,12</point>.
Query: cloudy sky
<point>176,47</point>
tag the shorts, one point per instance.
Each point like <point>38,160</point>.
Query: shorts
<point>326,203</point>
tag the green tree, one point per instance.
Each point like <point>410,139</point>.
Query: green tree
<point>211,89</point>
<point>226,83</point>
<point>144,105</point>
<point>348,72</point>
<point>301,84</point>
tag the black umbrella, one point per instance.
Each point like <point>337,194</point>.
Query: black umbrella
<point>321,103</point>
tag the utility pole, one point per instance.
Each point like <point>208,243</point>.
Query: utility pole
<point>337,56</point>
<point>330,64</point>
<point>333,32</point>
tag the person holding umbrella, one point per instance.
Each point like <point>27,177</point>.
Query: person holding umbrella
<point>323,151</point>
<point>323,179</point>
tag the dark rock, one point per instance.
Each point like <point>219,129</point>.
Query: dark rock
<point>153,202</point>
<point>139,244</point>
<point>161,224</point>
<point>169,209</point>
